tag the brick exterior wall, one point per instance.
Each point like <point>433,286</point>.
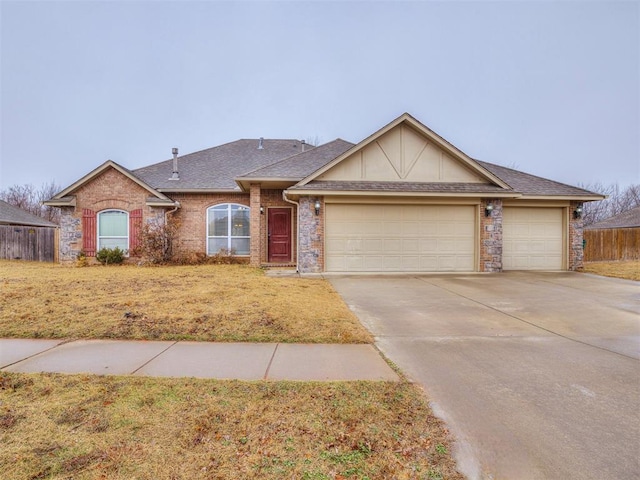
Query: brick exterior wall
<point>311,255</point>
<point>491,237</point>
<point>110,190</point>
<point>576,231</point>
<point>273,199</point>
<point>192,217</point>
<point>256,224</point>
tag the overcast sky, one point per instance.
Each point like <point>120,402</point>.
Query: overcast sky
<point>552,88</point>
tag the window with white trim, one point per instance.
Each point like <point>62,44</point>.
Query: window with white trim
<point>113,229</point>
<point>228,229</point>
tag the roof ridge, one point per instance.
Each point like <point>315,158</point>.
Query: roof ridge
<point>294,155</point>
<point>216,147</point>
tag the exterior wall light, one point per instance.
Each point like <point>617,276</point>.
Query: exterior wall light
<point>261,210</point>
<point>488,209</point>
<point>317,207</point>
<point>577,213</point>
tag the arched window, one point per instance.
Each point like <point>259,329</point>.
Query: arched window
<point>228,229</point>
<point>113,229</point>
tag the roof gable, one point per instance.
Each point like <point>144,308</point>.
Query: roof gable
<point>61,199</point>
<point>405,151</point>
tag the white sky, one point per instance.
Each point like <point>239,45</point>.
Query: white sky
<point>550,87</point>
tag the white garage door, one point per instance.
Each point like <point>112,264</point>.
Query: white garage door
<point>532,238</point>
<point>399,238</point>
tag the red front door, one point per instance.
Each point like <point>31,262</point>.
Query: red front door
<point>279,228</point>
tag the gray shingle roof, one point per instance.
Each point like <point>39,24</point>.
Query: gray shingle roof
<point>628,219</point>
<point>528,184</point>
<point>215,168</point>
<point>10,215</point>
<point>303,164</point>
<point>358,186</point>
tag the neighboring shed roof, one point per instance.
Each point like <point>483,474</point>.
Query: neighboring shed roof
<point>216,168</point>
<point>628,219</point>
<point>528,184</point>
<point>10,215</point>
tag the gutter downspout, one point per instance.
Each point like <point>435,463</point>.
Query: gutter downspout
<point>284,197</point>
<point>168,212</point>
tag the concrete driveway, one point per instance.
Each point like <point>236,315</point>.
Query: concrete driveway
<point>536,374</point>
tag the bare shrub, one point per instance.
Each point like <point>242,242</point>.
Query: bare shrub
<point>223,257</point>
<point>156,240</point>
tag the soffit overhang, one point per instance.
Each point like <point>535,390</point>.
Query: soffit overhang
<point>266,183</point>
<point>328,193</point>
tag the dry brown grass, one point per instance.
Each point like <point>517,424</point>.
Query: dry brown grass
<point>88,427</point>
<point>207,302</point>
<point>629,270</point>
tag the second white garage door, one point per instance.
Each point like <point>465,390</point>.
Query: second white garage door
<point>400,238</point>
<point>532,238</point>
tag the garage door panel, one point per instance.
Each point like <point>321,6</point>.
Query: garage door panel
<point>392,263</point>
<point>373,245</point>
<point>353,262</point>
<point>410,245</point>
<point>371,228</point>
<point>410,228</point>
<point>532,238</point>
<point>400,238</point>
<point>428,264</point>
<point>428,245</point>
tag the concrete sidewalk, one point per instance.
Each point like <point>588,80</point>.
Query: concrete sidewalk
<point>241,361</point>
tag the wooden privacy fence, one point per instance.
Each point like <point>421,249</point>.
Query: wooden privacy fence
<point>28,243</point>
<point>605,244</point>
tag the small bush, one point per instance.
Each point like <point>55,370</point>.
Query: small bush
<point>81,259</point>
<point>108,256</point>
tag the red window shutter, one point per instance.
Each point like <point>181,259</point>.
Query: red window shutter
<point>135,228</point>
<point>89,232</point>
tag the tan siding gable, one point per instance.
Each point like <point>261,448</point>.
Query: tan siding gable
<point>402,155</point>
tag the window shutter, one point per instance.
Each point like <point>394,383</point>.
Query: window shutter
<point>135,229</point>
<point>89,232</point>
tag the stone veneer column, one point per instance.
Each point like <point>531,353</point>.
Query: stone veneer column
<point>491,237</point>
<point>311,247</point>
<point>70,235</point>
<point>576,249</point>
<point>255,219</point>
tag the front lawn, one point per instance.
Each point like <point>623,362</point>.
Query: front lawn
<point>89,427</point>
<point>228,303</point>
